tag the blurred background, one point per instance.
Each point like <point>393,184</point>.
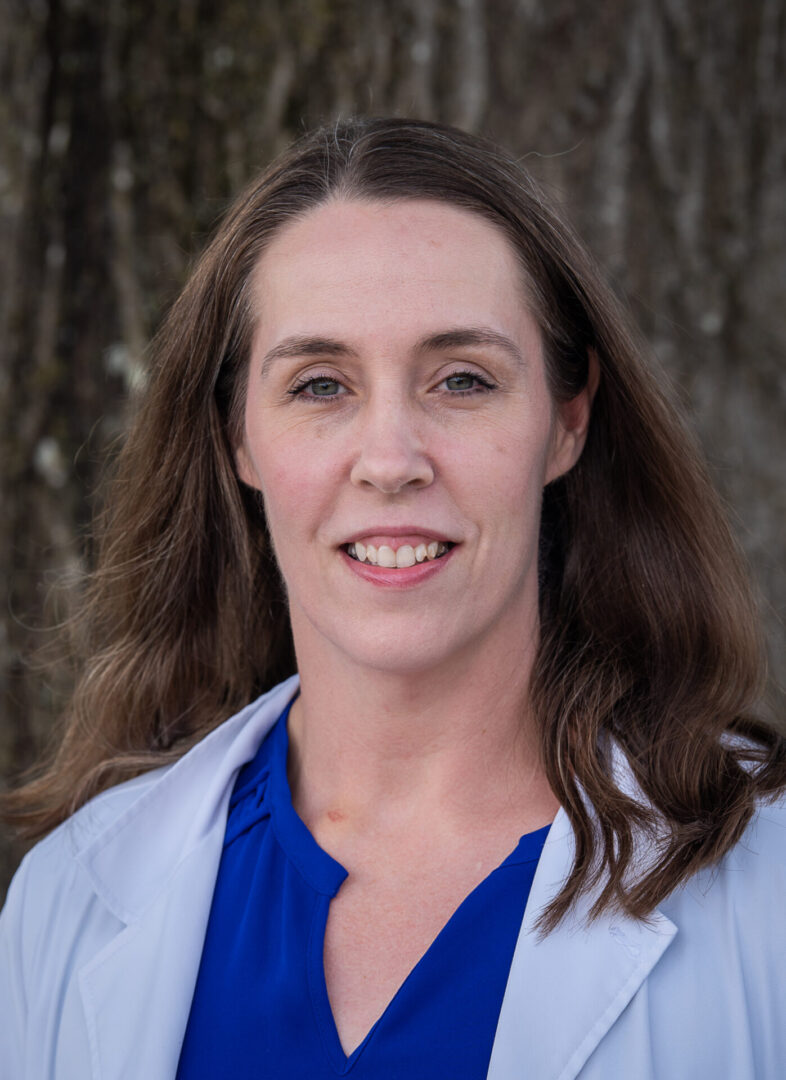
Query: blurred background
<point>126,125</point>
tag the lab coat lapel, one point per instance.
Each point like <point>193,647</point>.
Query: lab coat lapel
<point>565,991</point>
<point>136,1002</point>
<point>155,869</point>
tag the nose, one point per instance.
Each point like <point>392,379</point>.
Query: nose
<point>391,454</point>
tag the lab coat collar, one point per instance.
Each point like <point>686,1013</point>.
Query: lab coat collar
<point>566,990</point>
<point>134,858</point>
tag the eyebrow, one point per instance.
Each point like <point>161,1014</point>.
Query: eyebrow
<point>292,347</point>
<point>443,341</point>
<point>469,336</point>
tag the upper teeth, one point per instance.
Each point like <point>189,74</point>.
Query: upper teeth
<point>406,555</point>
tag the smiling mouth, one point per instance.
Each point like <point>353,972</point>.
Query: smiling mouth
<point>403,557</point>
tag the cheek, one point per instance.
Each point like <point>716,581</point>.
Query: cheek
<point>295,485</point>
<point>516,461</point>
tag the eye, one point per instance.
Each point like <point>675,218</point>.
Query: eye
<point>318,386</point>
<point>462,383</point>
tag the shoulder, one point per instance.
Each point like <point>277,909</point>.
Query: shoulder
<point>751,863</point>
<point>763,845</point>
<point>78,888</point>
<point>729,917</point>
<point>50,885</point>
<point>51,921</point>
<point>51,867</point>
<point>58,850</point>
<point>758,859</point>
<point>751,876</point>
<point>99,813</point>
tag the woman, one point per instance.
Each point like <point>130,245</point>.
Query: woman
<point>514,815</point>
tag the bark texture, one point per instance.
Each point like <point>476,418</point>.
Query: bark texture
<point>126,125</point>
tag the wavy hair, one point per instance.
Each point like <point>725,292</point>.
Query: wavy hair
<point>650,640</point>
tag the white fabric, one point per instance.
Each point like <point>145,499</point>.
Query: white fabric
<point>102,932</point>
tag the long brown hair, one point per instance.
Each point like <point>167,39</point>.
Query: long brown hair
<point>650,639</point>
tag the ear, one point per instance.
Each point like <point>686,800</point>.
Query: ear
<point>244,467</point>
<point>572,424</point>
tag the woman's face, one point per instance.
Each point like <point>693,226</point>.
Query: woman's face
<point>397,403</point>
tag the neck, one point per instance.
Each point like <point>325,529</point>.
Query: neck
<point>371,746</point>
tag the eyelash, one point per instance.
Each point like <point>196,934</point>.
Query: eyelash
<point>484,387</point>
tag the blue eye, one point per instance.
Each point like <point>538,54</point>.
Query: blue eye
<point>463,383</point>
<point>460,382</point>
<point>323,387</point>
<point>318,386</point>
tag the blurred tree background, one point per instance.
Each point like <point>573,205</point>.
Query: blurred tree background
<point>126,125</point>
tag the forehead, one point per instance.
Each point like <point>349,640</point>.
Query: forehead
<point>401,266</point>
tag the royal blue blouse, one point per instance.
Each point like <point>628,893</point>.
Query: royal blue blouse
<point>260,1006</point>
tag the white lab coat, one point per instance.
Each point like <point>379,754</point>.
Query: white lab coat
<point>101,937</point>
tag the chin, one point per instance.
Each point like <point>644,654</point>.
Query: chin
<point>406,663</point>
<point>404,651</point>
<point>395,655</point>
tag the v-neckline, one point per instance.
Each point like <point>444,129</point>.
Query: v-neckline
<point>527,850</point>
<point>325,875</point>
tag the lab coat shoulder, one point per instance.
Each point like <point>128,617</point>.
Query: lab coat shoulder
<point>715,1003</point>
<point>104,917</point>
<point>753,873</point>
<point>732,915</point>
<point>695,991</point>
<point>52,922</point>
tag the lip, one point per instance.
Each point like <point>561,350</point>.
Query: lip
<point>398,531</point>
<point>405,578</point>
